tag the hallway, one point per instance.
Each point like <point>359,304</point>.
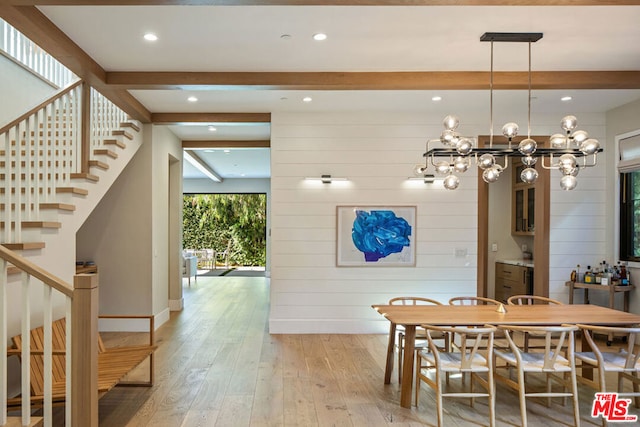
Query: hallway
<point>217,366</point>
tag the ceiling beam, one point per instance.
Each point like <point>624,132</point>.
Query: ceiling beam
<point>179,118</point>
<point>202,166</point>
<point>324,2</point>
<point>402,80</point>
<point>226,144</point>
<point>39,29</point>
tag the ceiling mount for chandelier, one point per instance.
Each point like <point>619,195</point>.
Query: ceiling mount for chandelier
<point>567,152</point>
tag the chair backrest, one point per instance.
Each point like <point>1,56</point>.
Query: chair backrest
<point>632,336</point>
<point>556,338</point>
<point>413,301</point>
<point>473,301</point>
<point>530,300</point>
<point>471,340</point>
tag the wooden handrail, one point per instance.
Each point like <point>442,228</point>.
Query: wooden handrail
<point>36,271</point>
<point>25,116</point>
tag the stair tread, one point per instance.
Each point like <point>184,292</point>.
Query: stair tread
<point>130,125</point>
<point>23,246</point>
<point>105,152</point>
<point>121,132</point>
<point>98,164</point>
<point>36,224</point>
<point>17,422</point>
<point>87,176</point>
<point>115,142</point>
<point>73,190</point>
<point>60,206</point>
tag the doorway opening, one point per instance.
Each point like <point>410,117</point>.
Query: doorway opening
<point>227,232</point>
<point>540,234</point>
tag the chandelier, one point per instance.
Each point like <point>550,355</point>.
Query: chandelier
<point>567,152</point>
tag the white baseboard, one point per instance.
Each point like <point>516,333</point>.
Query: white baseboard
<point>133,325</point>
<point>176,304</point>
<point>323,326</point>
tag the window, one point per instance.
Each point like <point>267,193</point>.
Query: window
<point>630,216</point>
<point>629,200</point>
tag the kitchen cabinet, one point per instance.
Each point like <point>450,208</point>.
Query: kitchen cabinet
<point>512,279</point>
<point>523,200</point>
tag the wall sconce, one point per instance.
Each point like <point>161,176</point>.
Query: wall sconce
<point>325,179</point>
<point>427,179</point>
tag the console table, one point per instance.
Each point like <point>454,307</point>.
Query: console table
<point>611,289</point>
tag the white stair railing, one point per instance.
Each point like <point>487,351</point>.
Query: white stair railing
<point>22,50</point>
<point>105,117</point>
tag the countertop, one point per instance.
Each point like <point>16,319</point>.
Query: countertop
<point>523,262</point>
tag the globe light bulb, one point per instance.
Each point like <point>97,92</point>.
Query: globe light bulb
<point>510,130</point>
<point>529,161</point>
<point>486,161</point>
<point>568,182</point>
<point>461,164</point>
<point>529,175</point>
<point>451,182</point>
<point>491,174</point>
<point>579,137</point>
<point>464,146</point>
<point>527,147</point>
<point>567,163</point>
<point>558,140</point>
<point>569,123</point>
<point>451,122</point>
<point>590,146</point>
<point>419,170</point>
<point>443,167</point>
<point>449,137</point>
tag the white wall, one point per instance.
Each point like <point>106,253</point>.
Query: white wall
<point>24,89</point>
<point>621,120</point>
<point>377,152</point>
<point>127,235</point>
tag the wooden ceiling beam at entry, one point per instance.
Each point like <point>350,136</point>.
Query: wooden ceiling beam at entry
<point>212,118</point>
<point>400,80</point>
<point>324,2</point>
<point>226,144</point>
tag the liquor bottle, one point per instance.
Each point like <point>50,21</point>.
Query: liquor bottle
<point>624,280</point>
<point>588,275</point>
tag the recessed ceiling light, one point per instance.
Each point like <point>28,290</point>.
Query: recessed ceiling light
<point>192,99</point>
<point>436,98</point>
<point>319,36</point>
<point>209,151</point>
<point>227,151</point>
<point>307,99</point>
<point>150,37</point>
<point>212,129</point>
<point>285,36</point>
<point>566,98</point>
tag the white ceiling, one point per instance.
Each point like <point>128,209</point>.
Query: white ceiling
<point>360,38</point>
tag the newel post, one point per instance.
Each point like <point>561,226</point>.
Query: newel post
<point>84,351</point>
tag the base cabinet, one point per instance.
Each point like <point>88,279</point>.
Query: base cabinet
<point>512,280</point>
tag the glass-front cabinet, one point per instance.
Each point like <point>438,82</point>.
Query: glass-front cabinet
<point>523,199</point>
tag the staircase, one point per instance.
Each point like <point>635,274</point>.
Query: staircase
<point>57,161</point>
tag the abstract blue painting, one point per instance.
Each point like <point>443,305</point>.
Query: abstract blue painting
<point>378,236</point>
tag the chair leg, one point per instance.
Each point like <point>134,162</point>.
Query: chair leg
<point>492,399</point>
<point>400,351</point>
<point>574,391</point>
<point>439,398</point>
<point>522,397</point>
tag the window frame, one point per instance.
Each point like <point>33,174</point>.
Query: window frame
<point>619,241</point>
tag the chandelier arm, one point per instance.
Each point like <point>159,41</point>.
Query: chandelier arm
<point>550,166</point>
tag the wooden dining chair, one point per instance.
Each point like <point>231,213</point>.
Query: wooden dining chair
<point>471,300</point>
<point>551,362</point>
<point>421,339</point>
<point>624,361</point>
<point>530,300</point>
<point>470,358</point>
<point>498,340</point>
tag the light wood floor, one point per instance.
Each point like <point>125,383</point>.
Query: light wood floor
<point>217,365</point>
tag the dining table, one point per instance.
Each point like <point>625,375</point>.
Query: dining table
<point>412,316</point>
